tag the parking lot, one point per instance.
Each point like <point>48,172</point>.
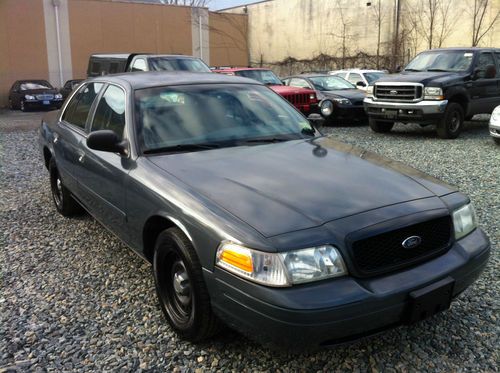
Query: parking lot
<point>73,297</point>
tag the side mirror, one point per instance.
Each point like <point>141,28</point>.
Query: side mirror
<point>106,141</point>
<point>316,120</point>
<point>360,84</point>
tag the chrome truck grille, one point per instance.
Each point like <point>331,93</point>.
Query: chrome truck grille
<point>399,92</point>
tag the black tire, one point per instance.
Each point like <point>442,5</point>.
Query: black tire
<point>63,200</point>
<point>497,140</point>
<point>380,127</point>
<point>22,106</point>
<point>452,123</point>
<point>180,287</point>
<point>11,104</point>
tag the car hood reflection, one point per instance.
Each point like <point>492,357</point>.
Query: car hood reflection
<point>283,187</point>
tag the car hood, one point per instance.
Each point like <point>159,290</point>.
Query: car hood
<point>285,89</point>
<point>39,91</point>
<point>424,77</point>
<point>283,187</point>
<point>354,94</point>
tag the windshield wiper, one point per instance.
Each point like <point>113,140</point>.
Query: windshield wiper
<point>412,70</point>
<point>438,70</point>
<point>182,147</point>
<point>265,140</point>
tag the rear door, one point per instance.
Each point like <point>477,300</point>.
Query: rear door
<point>103,178</point>
<point>71,132</point>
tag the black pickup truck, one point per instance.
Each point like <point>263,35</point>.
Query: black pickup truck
<point>441,86</point>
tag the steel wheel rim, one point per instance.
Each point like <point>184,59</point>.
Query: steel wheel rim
<point>455,121</point>
<point>175,285</point>
<point>57,190</point>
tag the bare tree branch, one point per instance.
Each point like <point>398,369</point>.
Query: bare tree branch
<point>479,27</point>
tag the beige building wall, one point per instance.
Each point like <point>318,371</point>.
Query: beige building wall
<point>305,29</point>
<point>228,39</point>
<point>115,27</point>
<point>23,53</point>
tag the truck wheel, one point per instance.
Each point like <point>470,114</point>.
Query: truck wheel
<point>64,202</point>
<point>22,106</point>
<point>180,287</point>
<point>450,126</point>
<point>380,127</point>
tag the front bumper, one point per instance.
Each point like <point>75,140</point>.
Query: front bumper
<point>43,103</point>
<point>347,113</point>
<point>341,309</point>
<point>421,111</point>
<point>495,130</point>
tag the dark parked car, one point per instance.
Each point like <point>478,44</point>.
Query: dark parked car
<point>34,94</point>
<point>68,87</point>
<point>103,64</point>
<point>251,217</point>
<point>443,87</point>
<point>341,101</point>
<point>304,100</point>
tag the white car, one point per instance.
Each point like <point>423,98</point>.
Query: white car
<point>495,125</point>
<point>360,78</point>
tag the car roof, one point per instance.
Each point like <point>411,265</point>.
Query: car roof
<point>358,71</point>
<point>310,75</point>
<point>232,69</point>
<point>127,55</point>
<point>463,49</point>
<point>141,80</point>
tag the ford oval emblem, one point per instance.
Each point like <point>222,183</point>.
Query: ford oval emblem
<point>393,92</point>
<point>412,242</point>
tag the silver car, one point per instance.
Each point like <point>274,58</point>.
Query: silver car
<point>495,125</point>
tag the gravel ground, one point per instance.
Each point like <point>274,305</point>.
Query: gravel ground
<point>72,297</point>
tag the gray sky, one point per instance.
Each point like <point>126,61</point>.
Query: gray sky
<point>221,4</point>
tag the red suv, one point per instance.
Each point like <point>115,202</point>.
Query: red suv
<point>303,99</point>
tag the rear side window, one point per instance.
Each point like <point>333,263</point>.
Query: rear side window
<point>342,75</point>
<point>110,112</point>
<point>78,108</point>
<point>139,65</point>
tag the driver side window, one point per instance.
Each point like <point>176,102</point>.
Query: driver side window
<point>110,112</point>
<point>485,59</point>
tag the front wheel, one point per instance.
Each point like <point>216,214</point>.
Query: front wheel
<point>497,140</point>
<point>22,106</point>
<point>380,127</point>
<point>180,287</point>
<point>450,126</point>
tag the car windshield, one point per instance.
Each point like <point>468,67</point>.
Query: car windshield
<point>214,115</point>
<point>178,64</point>
<point>26,86</point>
<point>330,83</point>
<point>451,61</point>
<point>263,76</point>
<point>371,77</point>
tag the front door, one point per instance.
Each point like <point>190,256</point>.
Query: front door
<point>484,88</point>
<point>103,179</point>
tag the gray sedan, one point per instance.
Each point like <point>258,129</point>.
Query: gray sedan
<point>250,217</point>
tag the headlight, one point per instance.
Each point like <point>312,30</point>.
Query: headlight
<point>369,91</point>
<point>433,93</point>
<point>58,96</point>
<point>342,101</point>
<point>326,108</point>
<point>281,269</point>
<point>312,96</point>
<point>495,116</point>
<point>464,220</point>
<point>29,97</point>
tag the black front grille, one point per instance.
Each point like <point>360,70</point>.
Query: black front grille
<point>385,252</point>
<point>407,93</point>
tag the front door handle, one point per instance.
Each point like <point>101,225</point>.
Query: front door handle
<point>56,138</point>
<point>81,158</point>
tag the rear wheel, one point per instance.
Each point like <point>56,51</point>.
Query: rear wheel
<point>380,127</point>
<point>64,202</point>
<point>450,126</point>
<point>180,287</point>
